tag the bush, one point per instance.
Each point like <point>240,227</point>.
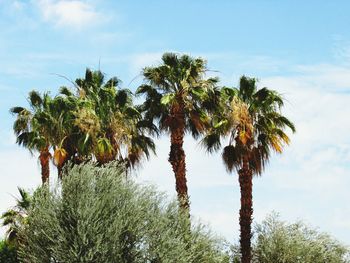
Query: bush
<point>8,253</point>
<point>96,215</point>
<point>276,241</point>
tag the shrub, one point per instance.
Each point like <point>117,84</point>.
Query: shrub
<point>96,215</point>
<point>276,241</point>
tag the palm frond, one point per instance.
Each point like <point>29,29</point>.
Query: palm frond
<point>35,99</point>
<point>9,217</point>
<point>211,142</point>
<point>231,157</point>
<point>17,110</point>
<point>65,91</point>
<point>123,97</point>
<point>254,124</point>
<point>247,87</point>
<point>113,82</point>
<point>23,203</point>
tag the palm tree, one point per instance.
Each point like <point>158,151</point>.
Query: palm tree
<point>33,131</point>
<point>63,133</point>
<point>252,121</point>
<point>108,126</point>
<point>14,218</point>
<point>44,126</point>
<point>178,97</point>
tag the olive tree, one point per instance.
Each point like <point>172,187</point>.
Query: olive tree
<point>98,215</point>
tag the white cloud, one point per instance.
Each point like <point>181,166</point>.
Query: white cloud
<point>73,14</point>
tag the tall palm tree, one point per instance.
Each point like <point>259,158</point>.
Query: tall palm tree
<point>42,127</point>
<point>33,131</point>
<point>109,127</point>
<point>14,218</point>
<point>252,121</point>
<point>178,97</point>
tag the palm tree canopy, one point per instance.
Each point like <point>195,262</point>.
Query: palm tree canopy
<point>26,127</point>
<point>179,83</point>
<point>251,118</point>
<point>108,125</point>
<point>14,218</point>
<point>43,124</point>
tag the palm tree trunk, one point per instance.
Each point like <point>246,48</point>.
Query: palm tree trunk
<point>44,158</point>
<point>177,159</point>
<point>246,211</point>
<point>59,171</point>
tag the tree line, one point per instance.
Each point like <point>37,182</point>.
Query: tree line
<point>97,120</point>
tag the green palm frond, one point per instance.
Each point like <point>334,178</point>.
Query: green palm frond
<point>123,97</point>
<point>148,126</point>
<point>211,142</point>
<point>140,145</point>
<point>23,203</point>
<point>247,88</point>
<point>9,217</point>
<point>65,91</point>
<point>113,82</point>
<point>252,120</point>
<point>35,99</point>
<point>21,124</point>
<point>17,110</point>
<point>146,89</point>
<point>179,82</point>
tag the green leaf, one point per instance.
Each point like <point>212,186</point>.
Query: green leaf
<point>198,91</point>
<point>166,99</point>
<point>219,124</point>
<point>86,138</point>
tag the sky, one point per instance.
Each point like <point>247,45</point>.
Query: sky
<point>299,48</point>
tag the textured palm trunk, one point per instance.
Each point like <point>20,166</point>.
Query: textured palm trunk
<point>59,171</point>
<point>177,157</point>
<point>44,158</point>
<point>245,214</point>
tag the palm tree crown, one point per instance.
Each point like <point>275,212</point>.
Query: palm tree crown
<point>107,124</point>
<point>252,121</point>
<point>177,93</point>
<point>178,98</point>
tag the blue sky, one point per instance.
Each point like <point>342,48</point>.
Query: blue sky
<point>300,48</point>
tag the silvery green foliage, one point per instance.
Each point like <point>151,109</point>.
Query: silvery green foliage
<point>97,215</point>
<point>276,241</point>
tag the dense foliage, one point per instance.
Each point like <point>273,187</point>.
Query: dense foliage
<point>276,241</point>
<point>97,215</point>
<point>96,121</point>
<point>8,253</point>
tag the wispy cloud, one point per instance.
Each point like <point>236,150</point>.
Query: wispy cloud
<point>75,14</point>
